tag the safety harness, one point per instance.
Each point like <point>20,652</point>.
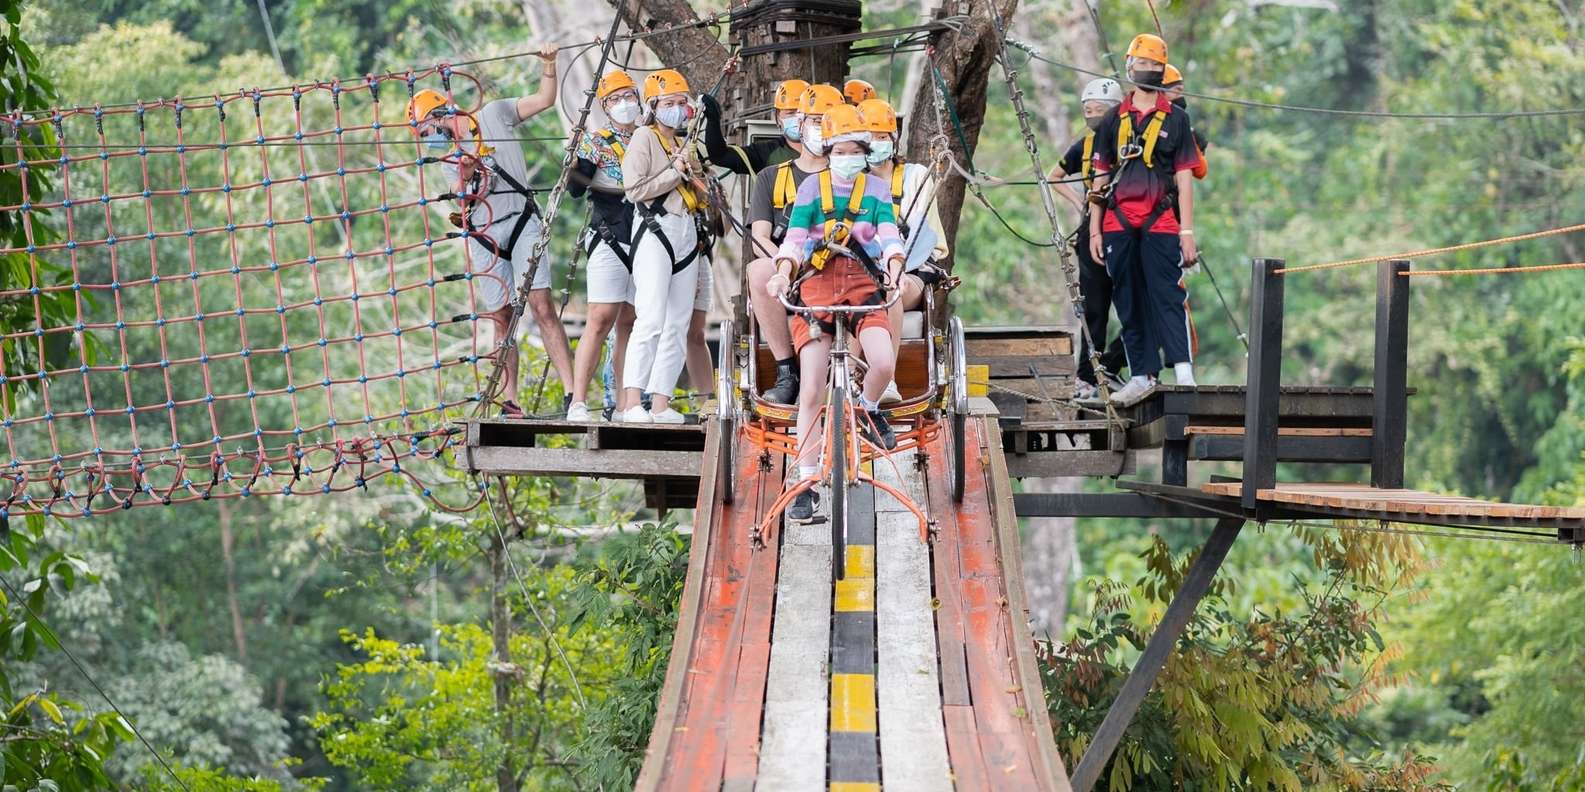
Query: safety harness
<point>600,227</point>
<point>1142,146</point>
<point>838,227</point>
<point>464,218</point>
<point>648,212</point>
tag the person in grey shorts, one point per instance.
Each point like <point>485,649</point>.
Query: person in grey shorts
<point>486,170</point>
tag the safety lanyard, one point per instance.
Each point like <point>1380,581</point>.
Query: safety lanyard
<point>615,144</point>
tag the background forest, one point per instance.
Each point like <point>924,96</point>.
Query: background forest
<point>358,642</point>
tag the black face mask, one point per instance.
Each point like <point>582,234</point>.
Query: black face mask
<point>1095,123</point>
<point>1146,79</point>
<point>1181,102</point>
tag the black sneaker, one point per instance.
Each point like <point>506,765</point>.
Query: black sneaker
<point>803,506</point>
<point>878,431</point>
<point>566,403</point>
<point>785,391</point>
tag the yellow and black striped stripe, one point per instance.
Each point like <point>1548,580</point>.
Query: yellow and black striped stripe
<point>853,761</point>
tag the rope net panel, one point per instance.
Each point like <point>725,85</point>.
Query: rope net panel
<point>242,294</point>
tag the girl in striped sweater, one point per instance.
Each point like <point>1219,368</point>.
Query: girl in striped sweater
<point>857,212</point>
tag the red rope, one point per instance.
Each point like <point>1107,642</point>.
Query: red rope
<point>72,453</point>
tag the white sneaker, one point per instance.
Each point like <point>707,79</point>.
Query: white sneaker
<point>1084,391</point>
<point>578,412</point>
<point>1136,389</point>
<point>1184,372</point>
<point>635,415</point>
<point>667,416</point>
<point>892,395</point>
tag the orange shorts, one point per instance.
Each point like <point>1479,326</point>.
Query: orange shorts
<point>842,282</point>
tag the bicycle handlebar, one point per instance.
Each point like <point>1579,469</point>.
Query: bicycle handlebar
<point>839,309</point>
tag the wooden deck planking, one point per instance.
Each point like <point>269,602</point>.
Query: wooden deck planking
<point>908,683</point>
<point>711,701</point>
<point>1359,497</point>
<point>792,754</point>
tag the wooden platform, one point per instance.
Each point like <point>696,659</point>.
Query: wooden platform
<point>1402,504</point>
<point>666,457</point>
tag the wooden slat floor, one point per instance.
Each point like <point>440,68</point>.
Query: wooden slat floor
<point>1359,497</point>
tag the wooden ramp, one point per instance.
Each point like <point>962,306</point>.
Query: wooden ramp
<point>916,672</point>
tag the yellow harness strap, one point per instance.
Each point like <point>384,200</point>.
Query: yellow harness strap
<point>786,190</point>
<point>615,144</point>
<point>1125,134</point>
<point>897,193</point>
<point>1086,166</point>
<point>836,229</point>
<point>689,198</point>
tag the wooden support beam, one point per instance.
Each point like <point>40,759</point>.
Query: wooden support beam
<point>1195,584</point>
<point>1392,363</point>
<point>1262,390</point>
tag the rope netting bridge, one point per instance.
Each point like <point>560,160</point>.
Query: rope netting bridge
<point>242,294</point>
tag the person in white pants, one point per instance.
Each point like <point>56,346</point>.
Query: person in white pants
<point>662,180</point>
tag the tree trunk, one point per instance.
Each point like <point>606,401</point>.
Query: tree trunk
<point>502,669</point>
<point>693,51</point>
<point>1050,561</point>
<point>965,59</point>
<point>239,636</point>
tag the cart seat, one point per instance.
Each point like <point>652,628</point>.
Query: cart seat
<point>913,325</point>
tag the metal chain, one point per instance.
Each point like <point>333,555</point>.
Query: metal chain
<point>1070,268</point>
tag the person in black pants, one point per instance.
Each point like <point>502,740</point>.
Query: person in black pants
<point>1099,100</point>
<point>1146,154</point>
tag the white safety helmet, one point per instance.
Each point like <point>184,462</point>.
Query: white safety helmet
<point>1102,89</point>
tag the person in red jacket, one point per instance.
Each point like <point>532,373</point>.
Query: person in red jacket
<point>1144,160</point>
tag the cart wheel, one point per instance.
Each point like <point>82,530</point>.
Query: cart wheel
<point>958,408</point>
<point>836,419</point>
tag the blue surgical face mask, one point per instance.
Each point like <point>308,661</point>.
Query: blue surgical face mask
<point>881,150</point>
<point>438,140</point>
<point>790,129</point>
<point>847,165</point>
<point>672,116</point>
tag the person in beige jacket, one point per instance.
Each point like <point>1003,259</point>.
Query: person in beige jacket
<point>665,185</point>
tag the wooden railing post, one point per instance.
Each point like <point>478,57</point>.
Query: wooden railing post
<point>1390,418</point>
<point>1264,383</point>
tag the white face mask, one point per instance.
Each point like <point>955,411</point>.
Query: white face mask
<point>881,150</point>
<point>814,139</point>
<point>672,116</point>
<point>624,112</point>
<point>847,165</point>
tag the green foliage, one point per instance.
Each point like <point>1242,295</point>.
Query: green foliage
<point>401,718</point>
<point>1265,702</point>
<point>632,588</point>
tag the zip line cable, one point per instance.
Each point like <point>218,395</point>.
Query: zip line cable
<point>55,639</point>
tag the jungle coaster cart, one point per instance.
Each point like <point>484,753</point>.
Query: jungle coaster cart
<point>930,375</point>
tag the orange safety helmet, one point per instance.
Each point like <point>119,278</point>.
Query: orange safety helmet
<point>879,117</point>
<point>664,83</point>
<point>843,123</point>
<point>819,98</point>
<point>857,91</point>
<point>612,82</point>
<point>425,102</point>
<point>787,94</point>
<point>1171,76</point>
<point>1148,46</point>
